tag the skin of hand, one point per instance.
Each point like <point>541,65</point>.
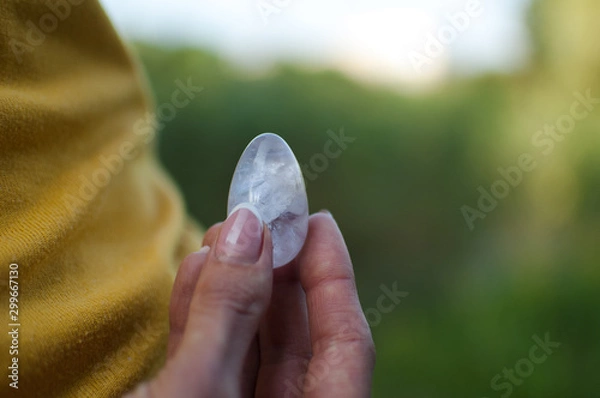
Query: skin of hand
<point>238,328</point>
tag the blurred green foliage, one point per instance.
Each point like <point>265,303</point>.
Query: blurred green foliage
<point>476,298</point>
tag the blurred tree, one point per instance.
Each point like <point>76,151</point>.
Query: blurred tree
<point>476,298</point>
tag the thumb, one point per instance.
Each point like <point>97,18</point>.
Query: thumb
<point>230,298</point>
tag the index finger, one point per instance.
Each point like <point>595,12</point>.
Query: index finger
<point>343,349</point>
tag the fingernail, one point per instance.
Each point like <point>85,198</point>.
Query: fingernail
<point>325,211</point>
<point>241,237</point>
<point>204,250</point>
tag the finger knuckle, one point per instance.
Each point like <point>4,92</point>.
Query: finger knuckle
<point>357,338</point>
<point>242,300</point>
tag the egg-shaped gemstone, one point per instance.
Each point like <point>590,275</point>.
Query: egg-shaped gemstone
<point>268,176</point>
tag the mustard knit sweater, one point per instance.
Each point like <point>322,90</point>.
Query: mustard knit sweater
<point>91,228</point>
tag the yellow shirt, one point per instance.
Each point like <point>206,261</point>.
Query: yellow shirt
<point>88,219</point>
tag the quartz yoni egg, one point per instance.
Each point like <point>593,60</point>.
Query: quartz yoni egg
<point>268,177</point>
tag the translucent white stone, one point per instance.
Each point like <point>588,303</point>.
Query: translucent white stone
<point>268,176</point>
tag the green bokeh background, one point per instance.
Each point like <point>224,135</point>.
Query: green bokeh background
<point>475,298</point>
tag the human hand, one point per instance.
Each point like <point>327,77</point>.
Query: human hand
<point>241,329</point>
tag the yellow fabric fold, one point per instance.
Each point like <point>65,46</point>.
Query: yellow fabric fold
<point>93,223</point>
